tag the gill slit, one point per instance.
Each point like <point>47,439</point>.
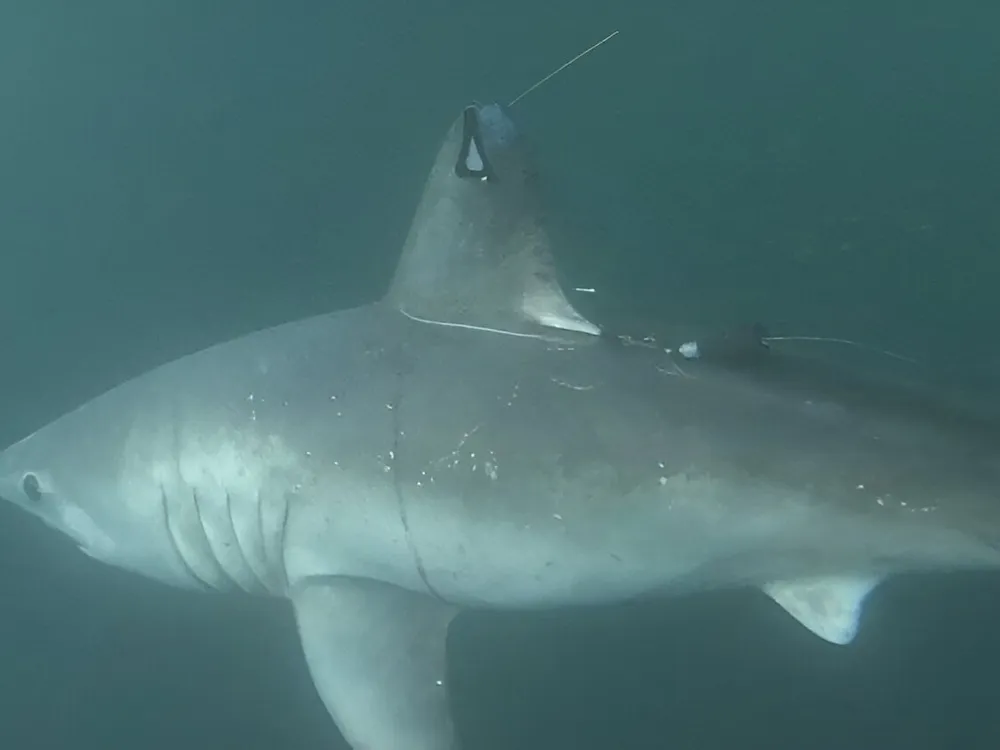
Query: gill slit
<point>173,540</point>
<point>239,545</point>
<point>208,544</point>
<point>283,534</point>
<point>266,552</point>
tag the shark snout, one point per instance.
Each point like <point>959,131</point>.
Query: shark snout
<point>29,481</point>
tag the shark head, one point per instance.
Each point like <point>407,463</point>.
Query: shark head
<point>478,252</point>
<point>68,475</point>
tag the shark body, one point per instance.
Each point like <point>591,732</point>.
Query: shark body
<point>472,441</point>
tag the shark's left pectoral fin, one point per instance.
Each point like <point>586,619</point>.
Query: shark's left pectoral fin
<point>829,607</point>
<point>377,657</point>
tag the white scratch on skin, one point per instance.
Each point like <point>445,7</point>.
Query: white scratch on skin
<point>571,386</point>
<point>484,329</point>
<point>253,411</point>
<point>677,370</point>
<point>461,443</point>
<point>513,396</point>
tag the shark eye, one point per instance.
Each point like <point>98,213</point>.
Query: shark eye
<point>31,488</point>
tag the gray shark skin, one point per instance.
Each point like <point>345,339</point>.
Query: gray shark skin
<point>471,441</point>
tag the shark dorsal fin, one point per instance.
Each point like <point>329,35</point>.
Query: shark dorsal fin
<point>478,254</point>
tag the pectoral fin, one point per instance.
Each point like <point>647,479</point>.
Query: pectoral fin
<point>829,607</point>
<point>377,657</point>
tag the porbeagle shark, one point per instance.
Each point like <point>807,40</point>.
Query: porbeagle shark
<point>472,441</point>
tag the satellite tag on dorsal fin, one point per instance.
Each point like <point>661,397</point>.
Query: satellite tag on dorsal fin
<point>477,253</point>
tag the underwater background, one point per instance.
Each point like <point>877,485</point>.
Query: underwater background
<point>173,174</point>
